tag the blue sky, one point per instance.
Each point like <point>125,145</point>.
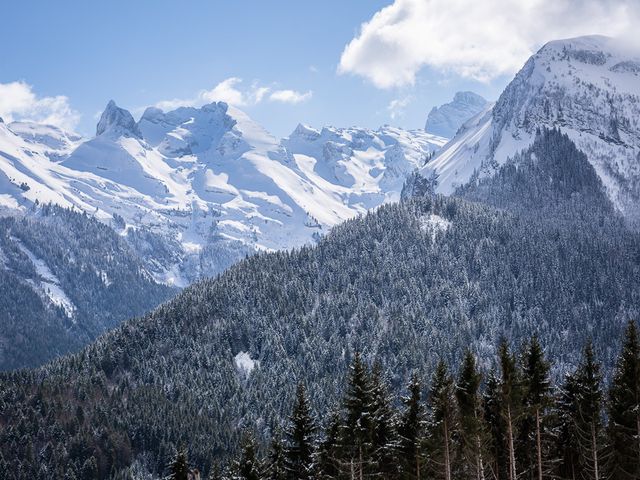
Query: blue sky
<point>143,52</point>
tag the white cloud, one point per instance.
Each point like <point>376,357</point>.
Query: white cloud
<point>290,96</point>
<point>231,92</point>
<point>474,39</point>
<point>19,102</point>
<point>396,106</point>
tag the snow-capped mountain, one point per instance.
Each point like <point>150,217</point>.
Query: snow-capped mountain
<point>588,87</point>
<point>195,189</point>
<point>448,118</point>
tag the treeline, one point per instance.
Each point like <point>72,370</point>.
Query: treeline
<point>510,424</point>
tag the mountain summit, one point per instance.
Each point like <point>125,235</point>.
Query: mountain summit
<point>448,118</point>
<point>117,121</point>
<point>589,88</point>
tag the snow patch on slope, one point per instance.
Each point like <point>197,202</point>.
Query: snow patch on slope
<point>48,284</point>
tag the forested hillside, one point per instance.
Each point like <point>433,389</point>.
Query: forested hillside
<point>64,279</point>
<point>408,286</point>
<point>512,423</point>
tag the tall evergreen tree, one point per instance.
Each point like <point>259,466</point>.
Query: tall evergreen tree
<point>472,430</point>
<point>624,411</point>
<point>510,397</point>
<point>536,390</point>
<point>276,466</point>
<point>567,445</point>
<point>410,432</point>
<point>493,411</point>
<point>179,466</point>
<point>247,467</point>
<point>357,431</point>
<point>329,455</point>
<point>300,443</point>
<point>441,424</point>
<point>384,441</point>
<point>588,414</point>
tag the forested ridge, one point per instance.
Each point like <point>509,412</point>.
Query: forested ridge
<point>407,286</point>
<point>510,423</point>
<point>103,281</point>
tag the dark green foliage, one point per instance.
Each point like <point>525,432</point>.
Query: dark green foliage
<point>411,431</point>
<point>472,455</point>
<point>624,411</point>
<point>247,467</point>
<point>300,436</point>
<point>102,277</point>
<point>533,441</point>
<point>442,424</point>
<point>179,466</point>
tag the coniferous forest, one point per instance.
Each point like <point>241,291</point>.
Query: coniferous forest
<point>460,423</point>
<point>484,335</point>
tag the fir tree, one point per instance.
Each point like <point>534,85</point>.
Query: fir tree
<point>329,452</point>
<point>300,447</point>
<point>441,426</point>
<point>179,466</point>
<point>624,411</point>
<point>410,431</point>
<point>510,397</point>
<point>472,429</point>
<point>384,441</point>
<point>536,388</point>
<point>276,467</point>
<point>357,430</point>
<point>247,467</point>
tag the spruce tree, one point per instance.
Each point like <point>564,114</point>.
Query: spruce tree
<point>276,467</point>
<point>493,412</point>
<point>442,424</point>
<point>472,430</point>
<point>624,411</point>
<point>300,446</point>
<point>357,431</point>
<point>384,441</point>
<point>179,466</point>
<point>510,396</point>
<point>410,432</point>
<point>329,455</point>
<point>536,390</point>
<point>567,445</point>
<point>247,467</point>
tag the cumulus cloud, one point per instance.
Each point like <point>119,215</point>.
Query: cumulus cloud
<point>396,106</point>
<point>234,93</point>
<point>290,96</point>
<point>18,101</point>
<point>473,39</point>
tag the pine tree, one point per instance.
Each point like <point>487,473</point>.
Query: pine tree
<point>588,410</point>
<point>441,425</point>
<point>567,445</point>
<point>276,468</point>
<point>493,412</point>
<point>179,466</point>
<point>300,447</point>
<point>472,430</point>
<point>510,397</point>
<point>624,411</point>
<point>215,472</point>
<point>410,431</point>
<point>357,431</point>
<point>384,442</point>
<point>247,467</point>
<point>536,390</point>
<point>329,452</point>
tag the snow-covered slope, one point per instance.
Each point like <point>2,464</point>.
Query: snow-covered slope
<point>363,168</point>
<point>589,87</point>
<point>195,189</point>
<point>448,118</point>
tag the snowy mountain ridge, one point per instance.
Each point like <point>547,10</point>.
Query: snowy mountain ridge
<point>589,87</point>
<point>195,189</point>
